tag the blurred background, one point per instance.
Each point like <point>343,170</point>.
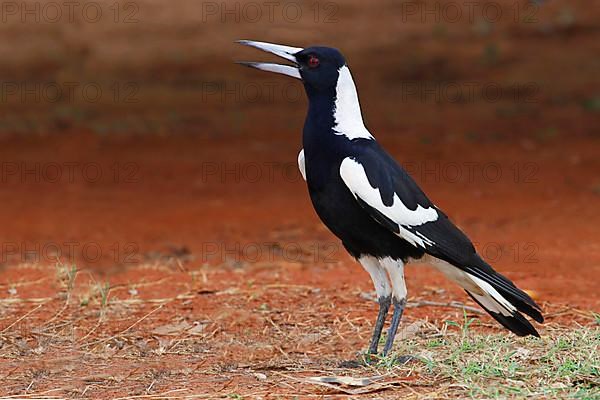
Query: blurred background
<point>157,234</point>
<point>129,136</point>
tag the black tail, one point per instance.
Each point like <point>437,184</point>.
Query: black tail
<point>520,300</point>
<point>516,323</point>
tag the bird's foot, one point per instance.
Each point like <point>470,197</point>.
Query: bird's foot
<point>352,364</point>
<point>375,360</point>
<point>401,360</point>
<point>362,360</point>
<point>390,360</point>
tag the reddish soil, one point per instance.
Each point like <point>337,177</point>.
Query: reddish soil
<point>196,247</point>
<point>531,208</point>
<point>241,275</point>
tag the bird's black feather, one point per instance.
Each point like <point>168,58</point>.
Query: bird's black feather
<point>384,173</point>
<point>355,187</point>
<point>516,323</point>
<point>445,241</point>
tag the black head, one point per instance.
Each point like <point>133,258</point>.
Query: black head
<point>319,66</point>
<point>316,66</point>
<point>333,104</point>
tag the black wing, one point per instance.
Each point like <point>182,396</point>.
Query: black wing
<point>394,200</point>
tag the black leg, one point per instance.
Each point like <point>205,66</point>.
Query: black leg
<point>384,306</point>
<point>396,317</point>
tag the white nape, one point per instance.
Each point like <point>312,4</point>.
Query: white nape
<point>347,115</point>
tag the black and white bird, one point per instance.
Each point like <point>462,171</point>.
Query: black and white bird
<point>370,202</point>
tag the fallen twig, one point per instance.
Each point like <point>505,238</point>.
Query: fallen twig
<point>452,304</point>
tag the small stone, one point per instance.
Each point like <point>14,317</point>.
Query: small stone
<point>260,376</point>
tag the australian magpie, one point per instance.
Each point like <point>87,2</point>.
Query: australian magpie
<point>368,201</point>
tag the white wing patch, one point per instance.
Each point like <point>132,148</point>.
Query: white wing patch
<point>416,239</point>
<point>354,176</point>
<point>301,164</point>
<point>347,115</point>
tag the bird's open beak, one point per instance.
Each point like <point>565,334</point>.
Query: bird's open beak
<point>286,52</point>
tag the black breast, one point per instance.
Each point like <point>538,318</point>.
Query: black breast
<point>339,210</point>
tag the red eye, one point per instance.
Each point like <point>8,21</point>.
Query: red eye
<point>313,62</point>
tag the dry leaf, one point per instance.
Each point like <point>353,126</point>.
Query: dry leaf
<point>172,329</point>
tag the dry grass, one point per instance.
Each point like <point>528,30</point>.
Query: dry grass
<point>92,339</point>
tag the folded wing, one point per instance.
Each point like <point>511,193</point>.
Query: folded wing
<point>394,200</point>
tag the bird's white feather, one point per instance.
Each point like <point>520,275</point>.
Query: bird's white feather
<point>347,114</point>
<point>395,270</point>
<point>492,298</point>
<point>301,164</point>
<point>485,293</point>
<point>354,176</point>
<point>378,275</point>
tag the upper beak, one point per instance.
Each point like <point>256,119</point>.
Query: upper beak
<point>286,52</point>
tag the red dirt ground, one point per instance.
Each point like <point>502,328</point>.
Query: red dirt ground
<point>199,259</point>
<point>225,279</point>
<point>241,202</point>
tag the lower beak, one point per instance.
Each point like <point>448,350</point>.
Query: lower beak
<point>286,52</point>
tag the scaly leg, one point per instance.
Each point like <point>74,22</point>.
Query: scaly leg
<point>395,269</point>
<point>396,317</point>
<point>384,306</point>
<point>384,291</point>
